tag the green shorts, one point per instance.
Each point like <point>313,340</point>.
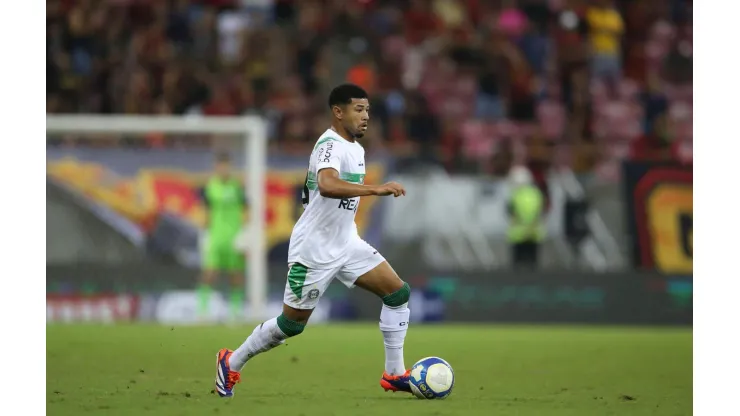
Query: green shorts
<point>221,255</point>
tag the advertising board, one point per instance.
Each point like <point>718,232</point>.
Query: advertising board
<point>660,216</point>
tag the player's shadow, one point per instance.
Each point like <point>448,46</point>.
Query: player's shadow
<point>391,397</point>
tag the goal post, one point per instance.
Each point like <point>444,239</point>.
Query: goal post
<point>252,129</point>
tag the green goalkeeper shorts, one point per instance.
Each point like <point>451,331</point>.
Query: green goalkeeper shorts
<point>220,254</point>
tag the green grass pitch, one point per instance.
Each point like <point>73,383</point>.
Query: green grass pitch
<point>334,369</point>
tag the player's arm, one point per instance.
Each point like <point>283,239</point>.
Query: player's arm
<point>328,165</point>
<point>245,205</point>
<point>203,196</point>
<point>330,186</point>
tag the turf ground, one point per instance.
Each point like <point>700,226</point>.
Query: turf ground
<point>334,370</point>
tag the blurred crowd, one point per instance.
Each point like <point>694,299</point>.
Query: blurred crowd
<point>469,85</point>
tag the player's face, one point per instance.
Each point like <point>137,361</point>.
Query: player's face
<point>356,117</point>
<point>223,169</point>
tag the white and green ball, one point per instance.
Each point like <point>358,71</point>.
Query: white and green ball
<point>432,378</point>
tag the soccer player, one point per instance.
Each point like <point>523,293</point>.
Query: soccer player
<point>325,245</point>
<point>225,203</point>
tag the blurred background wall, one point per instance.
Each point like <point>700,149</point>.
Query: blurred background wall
<point>588,101</point>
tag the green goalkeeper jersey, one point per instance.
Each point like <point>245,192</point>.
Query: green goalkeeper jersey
<point>225,203</point>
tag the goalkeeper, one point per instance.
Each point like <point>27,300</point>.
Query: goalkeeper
<point>225,202</point>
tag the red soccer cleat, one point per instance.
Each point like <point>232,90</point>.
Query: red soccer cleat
<point>225,378</point>
<point>396,383</point>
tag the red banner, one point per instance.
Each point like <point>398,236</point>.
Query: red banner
<point>152,191</point>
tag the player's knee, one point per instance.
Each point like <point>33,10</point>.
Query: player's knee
<point>208,278</point>
<point>399,297</point>
<point>237,280</point>
<point>289,327</point>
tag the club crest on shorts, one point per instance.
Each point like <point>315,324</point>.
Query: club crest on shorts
<point>313,293</point>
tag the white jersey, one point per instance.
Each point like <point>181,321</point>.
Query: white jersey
<point>321,237</point>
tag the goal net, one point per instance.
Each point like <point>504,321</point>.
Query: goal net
<point>117,160</point>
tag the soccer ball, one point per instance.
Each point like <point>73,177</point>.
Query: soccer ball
<point>431,378</point>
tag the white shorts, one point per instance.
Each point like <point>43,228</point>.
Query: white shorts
<point>305,286</point>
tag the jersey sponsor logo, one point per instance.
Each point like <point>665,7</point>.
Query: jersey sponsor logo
<point>349,204</point>
<point>322,141</point>
<point>327,152</point>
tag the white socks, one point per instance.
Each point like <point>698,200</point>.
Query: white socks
<point>265,337</point>
<point>394,323</point>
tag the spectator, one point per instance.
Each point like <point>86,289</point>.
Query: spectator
<point>658,145</point>
<point>505,73</point>
<point>526,228</point>
<point>363,74</point>
<point>534,42</point>
<point>638,17</point>
<point>489,102</point>
<point>420,22</point>
<point>220,103</point>
<point>522,86</point>
<point>466,59</point>
<point>512,22</point>
<point>570,32</point>
<point>501,161</point>
<point>605,32</point>
<point>422,128</point>
<point>450,12</point>
<point>538,163</point>
<point>679,64</point>
<point>654,101</point>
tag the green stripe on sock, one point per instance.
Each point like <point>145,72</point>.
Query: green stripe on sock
<point>289,328</point>
<point>296,278</point>
<point>236,299</point>
<point>398,297</point>
<point>204,296</point>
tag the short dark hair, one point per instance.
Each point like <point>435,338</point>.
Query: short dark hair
<point>343,94</point>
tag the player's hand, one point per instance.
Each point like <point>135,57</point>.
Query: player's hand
<point>390,188</point>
